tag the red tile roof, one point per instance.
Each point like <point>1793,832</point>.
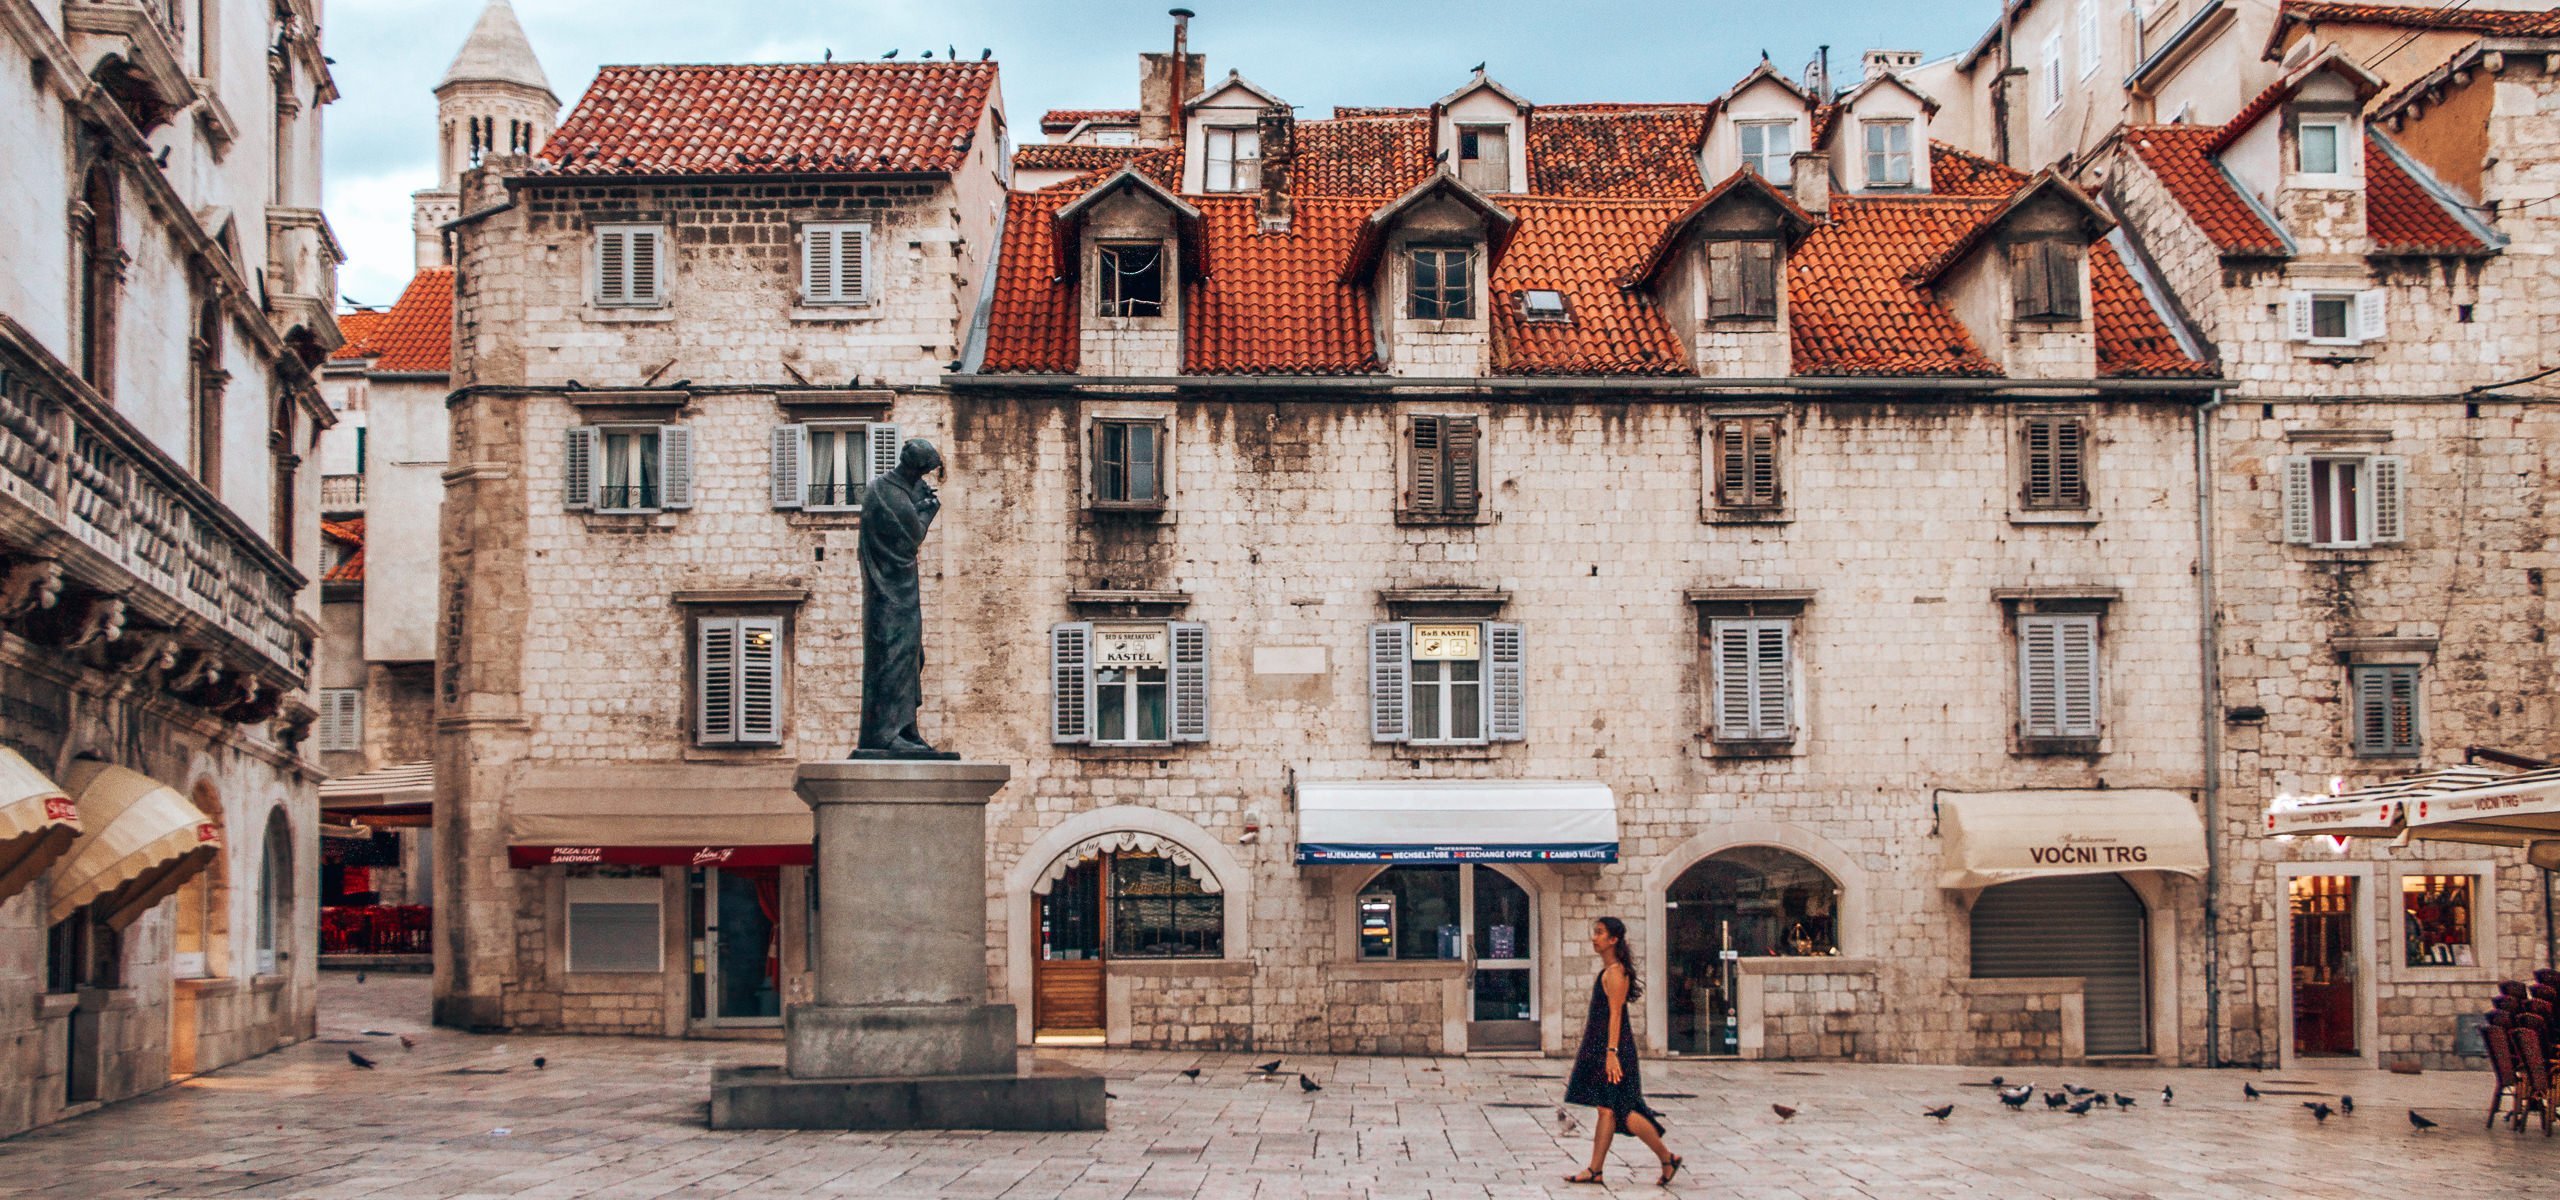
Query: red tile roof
<point>1031,321</point>
<point>2402,217</point>
<point>1581,248</point>
<point>1276,303</point>
<point>417,334</point>
<point>1632,152</point>
<point>774,119</point>
<point>1954,172</point>
<point>1342,112</point>
<point>357,327</point>
<point>2195,180</point>
<point>2332,61</point>
<point>1060,120</point>
<point>1363,156</point>
<point>2132,340</point>
<point>1071,156</point>
<point>2446,18</point>
<point>1853,310</point>
<point>349,534</point>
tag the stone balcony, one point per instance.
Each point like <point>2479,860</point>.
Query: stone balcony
<point>137,42</point>
<point>113,556</point>
<point>341,495</point>
<point>302,278</point>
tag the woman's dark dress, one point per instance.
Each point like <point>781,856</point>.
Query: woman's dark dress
<point>1590,1082</point>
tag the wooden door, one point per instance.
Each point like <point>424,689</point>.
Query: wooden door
<point>1066,969</point>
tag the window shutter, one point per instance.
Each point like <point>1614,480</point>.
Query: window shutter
<point>675,466</point>
<point>2390,498</point>
<point>2062,279</point>
<point>342,719</point>
<point>2370,325</point>
<point>1770,702</point>
<point>2371,690</point>
<point>613,267</point>
<point>1071,682</point>
<point>1390,670</point>
<point>1761,445</point>
<point>853,264</point>
<point>1732,464</point>
<point>790,450</point>
<point>1724,280</point>
<point>645,283</point>
<point>2401,705</point>
<point>2297,309</point>
<point>1464,436</point>
<point>1429,463</point>
<point>2297,498</point>
<point>715,680</point>
<point>1505,708</point>
<point>2070,464</point>
<point>817,264</point>
<point>1731,647</point>
<point>578,469</point>
<point>2039,677</point>
<point>1190,681</point>
<point>2038,488</point>
<point>884,449</point>
<point>1759,278</point>
<point>2030,280</point>
<point>2078,641</point>
<point>760,680</point>
<point>1752,680</point>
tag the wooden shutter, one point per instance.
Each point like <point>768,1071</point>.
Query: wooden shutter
<point>2371,691</point>
<point>2028,279</point>
<point>1751,679</point>
<point>2297,498</point>
<point>884,449</point>
<point>646,285</point>
<point>578,469</point>
<point>715,680</point>
<point>818,264</point>
<point>2079,675</point>
<point>1426,445</point>
<point>759,680</point>
<point>790,480</point>
<point>675,466</point>
<point>2389,498</point>
<point>2400,696</point>
<point>1190,681</point>
<point>1071,682</point>
<point>1724,280</point>
<point>1746,450</point>
<point>2058,675</point>
<point>1759,278</point>
<point>1506,710</point>
<point>2062,279</point>
<point>2297,311</point>
<point>342,719</point>
<point>613,266</point>
<point>1390,675</point>
<point>2055,474</point>
<point>1460,493</point>
<point>1732,465</point>
<point>2370,315</point>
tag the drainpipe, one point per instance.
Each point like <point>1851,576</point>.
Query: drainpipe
<point>2209,639</point>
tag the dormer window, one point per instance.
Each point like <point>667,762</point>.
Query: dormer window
<point>1544,305</point>
<point>1484,157</point>
<point>2045,280</point>
<point>1443,286</point>
<point>2321,146</point>
<point>1888,153</point>
<point>1131,279</point>
<point>1769,149</point>
<point>1742,279</point>
<point>1232,161</point>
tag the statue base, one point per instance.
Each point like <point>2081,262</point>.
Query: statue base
<point>902,756</point>
<point>1034,1097</point>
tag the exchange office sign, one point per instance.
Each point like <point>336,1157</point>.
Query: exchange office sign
<point>1352,854</point>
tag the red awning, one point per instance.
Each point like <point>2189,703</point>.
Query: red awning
<point>663,856</point>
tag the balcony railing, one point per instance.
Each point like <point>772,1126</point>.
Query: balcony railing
<point>341,494</point>
<point>91,492</point>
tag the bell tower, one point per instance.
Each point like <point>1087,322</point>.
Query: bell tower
<point>494,99</point>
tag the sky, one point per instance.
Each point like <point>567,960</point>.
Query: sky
<point>1080,54</point>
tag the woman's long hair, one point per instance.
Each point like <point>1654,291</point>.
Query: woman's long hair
<point>1626,958</point>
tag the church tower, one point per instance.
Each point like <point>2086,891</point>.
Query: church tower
<point>492,100</point>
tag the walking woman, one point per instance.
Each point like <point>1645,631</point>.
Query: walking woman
<point>1604,1070</point>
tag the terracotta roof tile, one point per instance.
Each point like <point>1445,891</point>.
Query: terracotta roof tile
<point>1060,120</point>
<point>2446,18</point>
<point>1276,303</point>
<point>1629,152</point>
<point>1031,322</point>
<point>350,535</point>
<point>2176,154</point>
<point>1343,112</point>
<point>1367,156</point>
<point>1852,309</point>
<point>2402,217</point>
<point>1581,248</point>
<point>1954,172</point>
<point>2132,339</point>
<point>417,334</point>
<point>774,119</point>
<point>1071,156</point>
<point>358,328</point>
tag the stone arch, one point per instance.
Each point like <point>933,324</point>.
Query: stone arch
<point>1855,890</point>
<point>1206,850</point>
<point>278,879</point>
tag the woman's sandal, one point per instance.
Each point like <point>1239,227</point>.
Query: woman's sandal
<point>1671,1170</point>
<point>1587,1176</point>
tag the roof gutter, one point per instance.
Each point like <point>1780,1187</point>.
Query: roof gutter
<point>2175,47</point>
<point>1667,388</point>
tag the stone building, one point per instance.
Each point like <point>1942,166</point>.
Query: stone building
<point>166,289</point>
<point>1372,571</point>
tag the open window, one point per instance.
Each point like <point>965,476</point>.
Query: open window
<point>1129,462</point>
<point>628,468</point>
<point>1441,283</point>
<point>1129,683</point>
<point>1484,157</point>
<point>1129,279</point>
<point>1446,683</point>
<point>2344,500</point>
<point>1233,159</point>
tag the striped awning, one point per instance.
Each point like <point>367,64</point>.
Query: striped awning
<point>406,783</point>
<point>139,841</point>
<point>38,822</point>
<point>1126,841</point>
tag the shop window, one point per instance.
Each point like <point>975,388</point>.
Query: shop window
<point>738,687</point>
<point>628,468</point>
<point>1442,454</point>
<point>1769,149</point>
<point>629,266</point>
<point>2344,500</point>
<point>2437,920</point>
<point>1742,279</point>
<point>827,466</point>
<point>1129,683</point>
<point>2044,278</point>
<point>1159,909</point>
<point>1411,913</point>
<point>1745,464</point>
<point>1442,283</point>
<point>2054,466</point>
<point>1234,162</point>
<point>614,923</point>
<point>1128,463</point>
<point>2383,699</point>
<point>1448,683</point>
<point>82,951</point>
<point>2057,676</point>
<point>835,263</point>
<point>1888,153</point>
<point>1756,902</point>
<point>1131,279</point>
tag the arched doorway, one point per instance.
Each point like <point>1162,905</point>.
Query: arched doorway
<point>202,907</point>
<point>1744,902</point>
<point>1474,913</point>
<point>1120,896</point>
<point>2091,926</point>
<point>276,879</point>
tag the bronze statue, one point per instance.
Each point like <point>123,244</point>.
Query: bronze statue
<point>896,513</point>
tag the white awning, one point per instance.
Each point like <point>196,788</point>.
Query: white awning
<point>2517,810</point>
<point>38,823</point>
<point>1126,841</point>
<point>2000,837</point>
<point>688,805</point>
<point>1435,821</point>
<point>404,783</point>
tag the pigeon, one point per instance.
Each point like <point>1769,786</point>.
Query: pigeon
<point>1783,1111</point>
<point>163,157</point>
<point>362,1063</point>
<point>2249,1089</point>
<point>2320,1111</point>
<point>890,55</point>
<point>2080,1108</point>
<point>1111,1095</point>
<point>1567,1123</point>
<point>407,1042</point>
<point>1479,68</point>
<point>2075,1091</point>
<point>1308,1085</point>
<point>2100,1099</point>
<point>1999,1081</point>
<point>830,55</point>
<point>2347,1105</point>
<point>928,56</point>
<point>951,52</point>
<point>2167,1094</point>
<point>2419,1123</point>
<point>1191,1073</point>
<point>359,977</point>
<point>540,1062</point>
<point>2022,1091</point>
<point>1941,1112</point>
<point>2015,1100</point>
<point>2123,1101</point>
<point>2055,1099</point>
<point>1270,1068</point>
<point>986,55</point>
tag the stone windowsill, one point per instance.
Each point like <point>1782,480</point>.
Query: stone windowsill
<point>1441,327</point>
<point>834,313</point>
<point>213,986</point>
<point>652,984</point>
<point>1458,751</point>
<point>1180,968</point>
<point>1117,753</point>
<point>269,984</point>
<point>630,522</point>
<point>634,315</point>
<point>107,999</point>
<point>822,518</point>
<point>773,594</point>
<point>2035,985</point>
<point>2339,554</point>
<point>53,1006</point>
<point>1104,323</point>
<point>2333,354</point>
<point>1407,517</point>
<point>1810,964</point>
<point>1747,516</point>
<point>738,754</point>
<point>1386,972</point>
<point>2072,517</point>
<point>2033,747</point>
<point>1712,747</point>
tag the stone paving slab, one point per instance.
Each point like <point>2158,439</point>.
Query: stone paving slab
<point>466,1116</point>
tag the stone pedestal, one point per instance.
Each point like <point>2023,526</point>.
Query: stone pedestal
<point>900,1035</point>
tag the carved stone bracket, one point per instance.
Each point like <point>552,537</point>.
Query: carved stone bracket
<point>100,620</point>
<point>294,719</point>
<point>149,652</point>
<point>31,584</point>
<point>200,670</point>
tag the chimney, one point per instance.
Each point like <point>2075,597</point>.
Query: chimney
<point>1164,82</point>
<point>1277,128</point>
<point>1812,185</point>
<point>1878,62</point>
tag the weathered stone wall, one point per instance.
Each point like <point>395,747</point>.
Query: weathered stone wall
<point>1184,1005</point>
<point>1820,1015</point>
<point>2015,1022</point>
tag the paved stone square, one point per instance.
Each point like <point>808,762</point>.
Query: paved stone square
<point>470,1116</point>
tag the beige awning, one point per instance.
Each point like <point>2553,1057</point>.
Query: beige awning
<point>140,840</point>
<point>38,822</point>
<point>691,804</point>
<point>2515,810</point>
<point>2000,837</point>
